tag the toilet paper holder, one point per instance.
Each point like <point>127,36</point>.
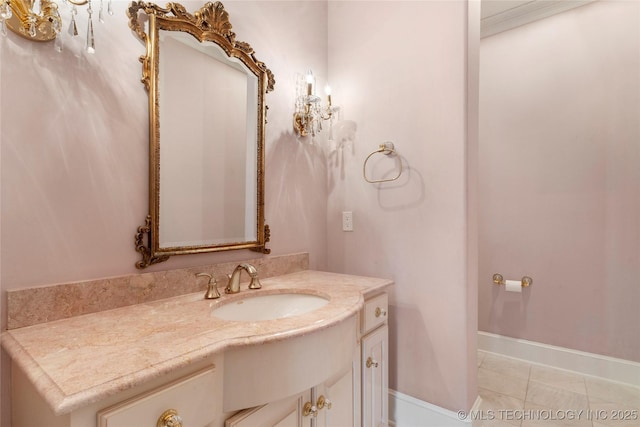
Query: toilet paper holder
<point>498,279</point>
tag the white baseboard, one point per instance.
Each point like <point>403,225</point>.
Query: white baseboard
<point>407,411</point>
<point>609,368</point>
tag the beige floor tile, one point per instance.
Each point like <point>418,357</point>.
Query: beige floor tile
<point>607,391</point>
<point>481,355</point>
<point>558,378</point>
<point>615,423</point>
<point>500,383</point>
<point>495,407</point>
<point>506,366</point>
<point>614,414</point>
<point>555,397</point>
<point>492,423</point>
<point>554,423</point>
<point>541,415</point>
<point>515,393</point>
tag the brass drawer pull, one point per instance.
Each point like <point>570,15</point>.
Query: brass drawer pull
<point>371,362</point>
<point>380,312</point>
<point>169,418</point>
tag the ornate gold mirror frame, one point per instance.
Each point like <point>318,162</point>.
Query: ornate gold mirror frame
<point>209,24</point>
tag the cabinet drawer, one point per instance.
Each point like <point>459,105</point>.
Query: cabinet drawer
<point>375,312</point>
<point>195,399</point>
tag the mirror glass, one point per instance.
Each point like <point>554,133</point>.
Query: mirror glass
<point>206,134</point>
<point>208,116</point>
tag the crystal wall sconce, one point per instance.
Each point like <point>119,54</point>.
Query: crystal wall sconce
<point>309,112</point>
<point>40,20</point>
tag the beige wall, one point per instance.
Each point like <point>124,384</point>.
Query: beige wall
<point>74,158</point>
<point>398,70</point>
<point>559,179</point>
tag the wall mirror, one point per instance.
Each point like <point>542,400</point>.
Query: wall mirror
<point>207,115</point>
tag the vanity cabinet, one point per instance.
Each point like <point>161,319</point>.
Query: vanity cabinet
<point>374,362</point>
<point>217,373</point>
<point>359,397</point>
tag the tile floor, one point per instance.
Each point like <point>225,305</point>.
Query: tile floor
<point>517,393</point>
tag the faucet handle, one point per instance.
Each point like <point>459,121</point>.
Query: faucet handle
<point>212,289</point>
<point>227,289</point>
<point>253,274</point>
<point>255,283</point>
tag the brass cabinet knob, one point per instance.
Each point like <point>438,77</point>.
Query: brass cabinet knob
<point>322,402</point>
<point>309,410</point>
<point>169,418</point>
<point>371,362</point>
<point>380,312</point>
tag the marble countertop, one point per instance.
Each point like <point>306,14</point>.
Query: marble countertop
<point>80,360</point>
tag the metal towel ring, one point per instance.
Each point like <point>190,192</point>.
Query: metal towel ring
<point>388,149</point>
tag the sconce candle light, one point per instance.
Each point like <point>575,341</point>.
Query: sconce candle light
<point>309,113</point>
<point>40,20</point>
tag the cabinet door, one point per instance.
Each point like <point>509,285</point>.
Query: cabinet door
<point>340,409</point>
<point>283,413</point>
<point>375,372</point>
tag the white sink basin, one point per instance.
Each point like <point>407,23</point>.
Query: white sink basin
<point>269,307</point>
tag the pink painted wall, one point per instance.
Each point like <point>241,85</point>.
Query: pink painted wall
<point>74,171</point>
<point>398,70</point>
<point>75,176</point>
<point>559,179</point>
<point>74,150</point>
<point>3,411</point>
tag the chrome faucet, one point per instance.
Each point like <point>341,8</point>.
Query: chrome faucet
<point>234,278</point>
<point>212,289</point>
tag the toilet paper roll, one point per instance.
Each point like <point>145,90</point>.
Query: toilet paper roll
<point>513,286</point>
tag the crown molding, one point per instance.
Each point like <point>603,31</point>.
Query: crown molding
<point>525,13</point>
